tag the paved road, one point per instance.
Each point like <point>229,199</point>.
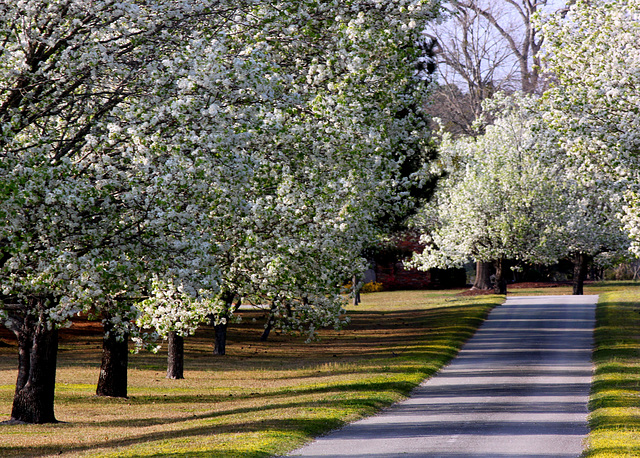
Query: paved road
<point>518,388</point>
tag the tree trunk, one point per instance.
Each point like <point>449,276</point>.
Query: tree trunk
<point>580,263</point>
<point>175,357</point>
<point>35,386</point>
<point>220,341</point>
<point>268,326</point>
<point>267,330</point>
<point>483,276</point>
<point>500,286</point>
<point>115,359</point>
<point>356,291</point>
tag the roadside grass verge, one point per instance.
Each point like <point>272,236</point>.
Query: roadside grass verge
<point>615,395</point>
<point>261,399</point>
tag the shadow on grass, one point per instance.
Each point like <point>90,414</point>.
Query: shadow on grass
<point>341,390</point>
<point>615,399</point>
<point>615,423</point>
<point>417,342</point>
<point>305,427</point>
<point>370,336</point>
<point>617,367</point>
<point>618,452</point>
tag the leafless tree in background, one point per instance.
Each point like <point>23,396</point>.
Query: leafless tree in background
<point>483,46</point>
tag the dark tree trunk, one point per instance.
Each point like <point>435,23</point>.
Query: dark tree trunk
<point>580,263</point>
<point>356,291</point>
<point>500,286</point>
<point>115,359</point>
<point>483,276</point>
<point>269,324</point>
<point>175,357</point>
<point>267,330</point>
<point>220,340</point>
<point>35,386</point>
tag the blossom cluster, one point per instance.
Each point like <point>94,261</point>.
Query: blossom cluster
<point>592,110</point>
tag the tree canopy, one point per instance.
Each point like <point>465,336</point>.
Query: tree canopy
<point>593,108</point>
<point>160,159</point>
<point>496,202</point>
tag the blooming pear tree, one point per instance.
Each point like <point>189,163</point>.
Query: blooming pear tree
<point>513,193</point>
<point>593,109</point>
<point>497,201</point>
<point>309,109</point>
<point>343,169</point>
<point>88,209</point>
<point>591,230</point>
<point>160,159</point>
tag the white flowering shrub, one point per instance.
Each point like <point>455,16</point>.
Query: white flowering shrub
<point>514,193</point>
<point>498,199</point>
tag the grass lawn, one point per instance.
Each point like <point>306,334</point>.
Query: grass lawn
<point>267,398</point>
<point>615,395</point>
<point>261,398</point>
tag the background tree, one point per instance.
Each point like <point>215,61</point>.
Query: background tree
<point>513,194</point>
<point>590,229</point>
<point>482,48</point>
<point>497,201</point>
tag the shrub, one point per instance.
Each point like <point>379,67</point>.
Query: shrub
<point>372,287</point>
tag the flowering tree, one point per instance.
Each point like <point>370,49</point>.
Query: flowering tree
<point>591,230</point>
<point>159,159</point>
<point>314,148</point>
<point>497,201</point>
<point>483,47</point>
<point>593,107</point>
<point>88,209</point>
<point>512,193</point>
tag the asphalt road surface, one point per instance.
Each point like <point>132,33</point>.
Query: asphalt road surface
<point>518,388</point>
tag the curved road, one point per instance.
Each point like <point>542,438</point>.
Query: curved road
<point>519,388</point>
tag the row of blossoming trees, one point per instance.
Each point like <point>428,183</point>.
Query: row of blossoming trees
<point>556,176</point>
<point>160,159</point>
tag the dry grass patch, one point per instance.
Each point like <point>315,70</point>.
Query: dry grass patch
<point>261,399</point>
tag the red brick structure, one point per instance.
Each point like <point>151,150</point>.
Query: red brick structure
<point>391,272</point>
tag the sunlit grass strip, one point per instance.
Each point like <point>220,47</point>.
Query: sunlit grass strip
<point>615,396</point>
<point>244,406</point>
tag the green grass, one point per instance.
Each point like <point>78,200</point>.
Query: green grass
<point>615,394</point>
<point>259,400</point>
